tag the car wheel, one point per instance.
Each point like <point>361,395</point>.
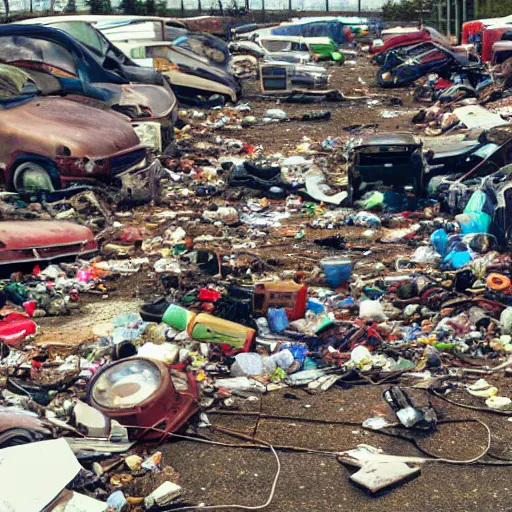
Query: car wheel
<point>30,176</point>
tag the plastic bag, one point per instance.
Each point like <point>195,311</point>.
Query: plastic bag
<point>476,202</point>
<point>473,222</point>
<point>283,358</point>
<point>247,364</point>
<point>439,240</point>
<point>277,319</point>
<point>372,310</point>
<point>374,200</point>
<point>425,255</point>
<point>457,259</point>
<point>366,219</point>
<point>361,356</point>
<point>506,320</point>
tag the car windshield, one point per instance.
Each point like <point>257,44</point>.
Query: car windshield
<point>52,57</point>
<point>84,33</point>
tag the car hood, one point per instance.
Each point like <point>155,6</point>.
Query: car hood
<point>47,123</point>
<point>15,235</point>
<point>159,99</point>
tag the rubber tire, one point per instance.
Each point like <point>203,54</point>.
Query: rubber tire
<point>21,169</point>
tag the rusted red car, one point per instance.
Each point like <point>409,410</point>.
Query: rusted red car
<point>42,241</point>
<point>47,143</point>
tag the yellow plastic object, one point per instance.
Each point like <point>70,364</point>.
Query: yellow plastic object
<point>211,329</point>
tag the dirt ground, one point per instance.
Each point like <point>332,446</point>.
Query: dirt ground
<point>313,482</point>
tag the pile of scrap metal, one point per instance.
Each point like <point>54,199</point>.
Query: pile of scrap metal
<point>450,169</point>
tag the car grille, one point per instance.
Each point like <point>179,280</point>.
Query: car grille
<point>123,162</point>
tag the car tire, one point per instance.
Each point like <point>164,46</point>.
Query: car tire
<point>31,171</point>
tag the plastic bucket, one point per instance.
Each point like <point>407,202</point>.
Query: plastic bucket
<point>337,271</point>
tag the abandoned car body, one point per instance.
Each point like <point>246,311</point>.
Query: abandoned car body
<point>43,241</point>
<point>191,76</point>
<point>394,159</point>
<point>405,65</point>
<point>66,66</point>
<point>50,142</point>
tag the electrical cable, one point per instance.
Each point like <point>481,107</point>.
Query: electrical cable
<point>470,407</point>
<point>235,506</point>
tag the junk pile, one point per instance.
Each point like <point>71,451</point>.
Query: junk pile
<point>202,280</point>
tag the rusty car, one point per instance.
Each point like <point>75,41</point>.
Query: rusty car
<point>42,241</point>
<point>50,142</point>
<point>63,65</point>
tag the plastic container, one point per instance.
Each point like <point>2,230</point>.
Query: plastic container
<point>286,294</point>
<point>177,317</point>
<point>231,336</point>
<point>337,271</point>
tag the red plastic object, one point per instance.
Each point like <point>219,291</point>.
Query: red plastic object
<point>139,393</point>
<point>443,84</point>
<point>15,327</point>
<point>208,295</point>
<point>29,307</point>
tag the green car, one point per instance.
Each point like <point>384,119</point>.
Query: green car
<point>324,48</point>
<point>320,48</point>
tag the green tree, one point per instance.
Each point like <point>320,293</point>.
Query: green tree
<point>100,6</point>
<point>150,6</point>
<point>134,7</point>
<point>161,8</point>
<point>407,10</point>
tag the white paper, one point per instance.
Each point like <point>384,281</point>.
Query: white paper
<point>32,475</point>
<point>80,503</point>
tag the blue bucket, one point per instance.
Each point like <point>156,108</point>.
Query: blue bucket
<point>337,271</point>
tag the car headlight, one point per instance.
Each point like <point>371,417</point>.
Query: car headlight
<point>150,134</point>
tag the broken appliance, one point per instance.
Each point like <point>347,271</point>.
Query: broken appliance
<point>144,396</point>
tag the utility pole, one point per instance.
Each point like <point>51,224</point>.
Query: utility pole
<point>448,20</point>
<point>457,21</point>
<point>464,11</point>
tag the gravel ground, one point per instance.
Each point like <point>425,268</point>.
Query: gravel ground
<point>317,482</point>
<point>311,482</point>
<point>314,482</point>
